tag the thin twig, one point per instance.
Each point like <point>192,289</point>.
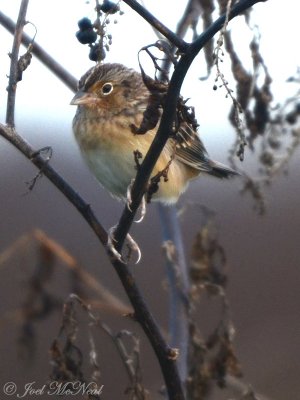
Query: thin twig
<point>83,207</point>
<point>178,281</point>
<point>45,58</point>
<point>178,285</point>
<point>14,55</point>
<point>241,388</point>
<point>166,32</point>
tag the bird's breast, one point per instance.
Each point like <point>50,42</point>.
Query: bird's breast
<point>108,149</point>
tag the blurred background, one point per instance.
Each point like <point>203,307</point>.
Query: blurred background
<point>262,252</point>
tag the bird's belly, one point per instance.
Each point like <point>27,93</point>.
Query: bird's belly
<point>110,157</point>
<point>114,171</point>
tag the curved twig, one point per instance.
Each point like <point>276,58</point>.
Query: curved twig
<point>165,127</point>
<point>166,32</point>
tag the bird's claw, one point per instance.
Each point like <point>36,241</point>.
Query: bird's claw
<point>110,244</point>
<point>128,195</point>
<point>142,208</point>
<point>129,201</point>
<point>132,246</point>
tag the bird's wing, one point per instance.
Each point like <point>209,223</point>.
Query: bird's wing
<point>190,149</point>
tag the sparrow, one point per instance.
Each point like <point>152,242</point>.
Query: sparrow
<point>111,99</point>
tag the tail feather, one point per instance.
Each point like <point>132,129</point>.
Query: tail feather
<point>220,170</point>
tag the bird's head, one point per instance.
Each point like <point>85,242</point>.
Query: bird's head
<point>110,88</point>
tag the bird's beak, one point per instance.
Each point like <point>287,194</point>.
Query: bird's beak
<point>82,97</point>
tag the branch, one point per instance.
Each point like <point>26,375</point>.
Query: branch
<point>85,210</point>
<point>241,388</point>
<point>176,264</point>
<point>209,33</point>
<point>12,82</point>
<point>178,285</point>
<point>165,355</point>
<point>165,127</point>
<point>166,32</point>
<point>60,72</point>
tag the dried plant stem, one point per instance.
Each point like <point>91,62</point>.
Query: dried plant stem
<point>12,82</point>
<point>176,265</point>
<point>242,389</point>
<point>218,54</point>
<point>178,285</point>
<point>45,58</point>
<point>157,25</point>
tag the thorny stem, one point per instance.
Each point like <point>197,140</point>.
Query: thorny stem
<point>12,82</point>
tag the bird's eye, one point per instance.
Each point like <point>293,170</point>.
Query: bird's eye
<point>107,88</point>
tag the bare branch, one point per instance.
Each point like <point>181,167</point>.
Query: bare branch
<point>42,55</point>
<point>178,284</point>
<point>85,210</point>
<point>141,312</point>
<point>241,388</point>
<point>13,80</point>
<point>174,39</point>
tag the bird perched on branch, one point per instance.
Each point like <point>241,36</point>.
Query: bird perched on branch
<point>113,110</point>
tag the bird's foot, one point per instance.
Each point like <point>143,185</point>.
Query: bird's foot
<point>143,210</point>
<point>142,206</point>
<point>110,243</point>
<point>131,245</point>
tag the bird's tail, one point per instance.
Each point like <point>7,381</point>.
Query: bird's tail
<point>220,170</point>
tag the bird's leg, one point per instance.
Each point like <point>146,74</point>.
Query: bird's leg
<point>132,246</point>
<point>142,206</point>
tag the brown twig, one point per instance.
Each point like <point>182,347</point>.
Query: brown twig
<point>14,55</point>
<point>85,210</point>
<point>45,58</point>
<point>166,32</point>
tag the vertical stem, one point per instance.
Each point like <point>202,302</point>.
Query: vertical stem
<point>178,279</point>
<point>179,284</point>
<point>12,82</point>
